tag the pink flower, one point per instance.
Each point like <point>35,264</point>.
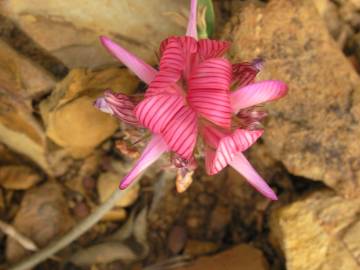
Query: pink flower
<point>189,102</point>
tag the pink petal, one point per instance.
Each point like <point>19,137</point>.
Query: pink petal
<point>157,111</point>
<point>257,93</point>
<point>242,165</point>
<point>145,72</point>
<point>192,24</point>
<point>181,132</point>
<point>169,116</point>
<point>244,74</point>
<point>209,93</point>
<point>226,145</point>
<point>177,55</point>
<point>119,105</point>
<point>155,148</point>
<point>212,48</point>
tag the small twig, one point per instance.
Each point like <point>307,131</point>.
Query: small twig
<point>21,239</point>
<point>69,237</point>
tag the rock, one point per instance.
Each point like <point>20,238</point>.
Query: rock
<point>199,248</point>
<point>72,121</point>
<point>314,131</point>
<point>109,182</point>
<point>19,74</point>
<point>19,130</point>
<point>43,215</point>
<point>131,23</point>
<point>241,257</point>
<point>330,14</point>
<point>18,177</point>
<point>320,231</point>
<point>176,239</point>
<point>219,219</point>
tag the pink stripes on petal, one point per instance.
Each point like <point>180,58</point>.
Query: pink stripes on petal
<point>119,105</point>
<point>152,152</point>
<point>169,116</point>
<point>227,146</point>
<point>242,165</point>
<point>145,72</point>
<point>212,48</point>
<point>181,132</point>
<point>157,111</point>
<point>192,24</point>
<point>209,93</point>
<point>177,57</point>
<point>257,93</point>
<point>244,74</point>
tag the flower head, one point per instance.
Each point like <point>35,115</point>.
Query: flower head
<point>195,98</point>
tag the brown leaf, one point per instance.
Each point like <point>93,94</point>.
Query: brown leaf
<point>18,177</point>
<point>104,253</point>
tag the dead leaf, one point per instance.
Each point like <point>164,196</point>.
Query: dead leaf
<point>18,177</point>
<point>103,253</point>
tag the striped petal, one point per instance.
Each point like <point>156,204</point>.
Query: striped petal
<point>145,72</point>
<point>244,74</point>
<point>242,165</point>
<point>119,105</point>
<point>181,133</point>
<point>152,152</point>
<point>209,93</point>
<point>192,24</point>
<point>226,146</point>
<point>169,116</point>
<point>257,93</point>
<point>177,56</point>
<point>212,48</point>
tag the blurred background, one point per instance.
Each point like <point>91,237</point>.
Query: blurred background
<point>60,158</point>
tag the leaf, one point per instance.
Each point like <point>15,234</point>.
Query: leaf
<point>209,17</point>
<point>103,253</point>
<point>140,229</point>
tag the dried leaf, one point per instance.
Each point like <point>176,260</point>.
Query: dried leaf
<point>140,228</point>
<point>103,253</point>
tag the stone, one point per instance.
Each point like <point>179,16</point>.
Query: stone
<point>71,120</point>
<point>130,22</point>
<point>18,177</point>
<point>199,248</point>
<point>241,257</point>
<point>330,14</point>
<point>19,74</point>
<point>319,231</point>
<point>314,131</point>
<point>177,239</point>
<point>43,215</point>
<point>109,182</point>
<point>19,130</point>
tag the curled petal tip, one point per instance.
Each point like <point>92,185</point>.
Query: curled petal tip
<point>155,148</point>
<point>273,197</point>
<point>257,93</point>
<point>242,165</point>
<point>144,71</point>
<point>102,105</point>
